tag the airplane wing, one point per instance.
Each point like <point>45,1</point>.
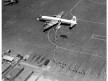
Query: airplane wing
<point>47,20</point>
<point>50,24</point>
<point>53,22</point>
<point>60,15</point>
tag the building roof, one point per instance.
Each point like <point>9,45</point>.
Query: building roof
<point>9,58</point>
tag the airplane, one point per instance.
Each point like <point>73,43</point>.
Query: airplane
<point>57,20</point>
<point>11,2</point>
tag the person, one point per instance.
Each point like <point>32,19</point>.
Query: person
<point>59,25</point>
<point>11,2</point>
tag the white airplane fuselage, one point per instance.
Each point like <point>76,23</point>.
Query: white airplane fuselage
<point>61,19</point>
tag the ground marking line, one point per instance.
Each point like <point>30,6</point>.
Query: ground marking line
<point>97,2</point>
<point>93,37</point>
<point>98,39</point>
<point>98,35</point>
<point>90,21</point>
<point>72,8</point>
<point>54,52</point>
<point>75,6</point>
<point>49,39</point>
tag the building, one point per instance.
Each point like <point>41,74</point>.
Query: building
<point>7,58</point>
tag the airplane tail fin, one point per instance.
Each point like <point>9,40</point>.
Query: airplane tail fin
<point>74,21</point>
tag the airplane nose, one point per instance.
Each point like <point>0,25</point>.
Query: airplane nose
<point>37,18</point>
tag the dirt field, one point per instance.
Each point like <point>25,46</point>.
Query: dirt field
<point>85,47</point>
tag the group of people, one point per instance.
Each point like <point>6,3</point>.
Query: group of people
<point>63,65</point>
<point>10,2</point>
<point>59,63</point>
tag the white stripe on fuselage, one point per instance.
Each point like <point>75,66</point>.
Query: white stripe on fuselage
<point>62,20</point>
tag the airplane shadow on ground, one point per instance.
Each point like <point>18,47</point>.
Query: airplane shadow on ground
<point>64,24</point>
